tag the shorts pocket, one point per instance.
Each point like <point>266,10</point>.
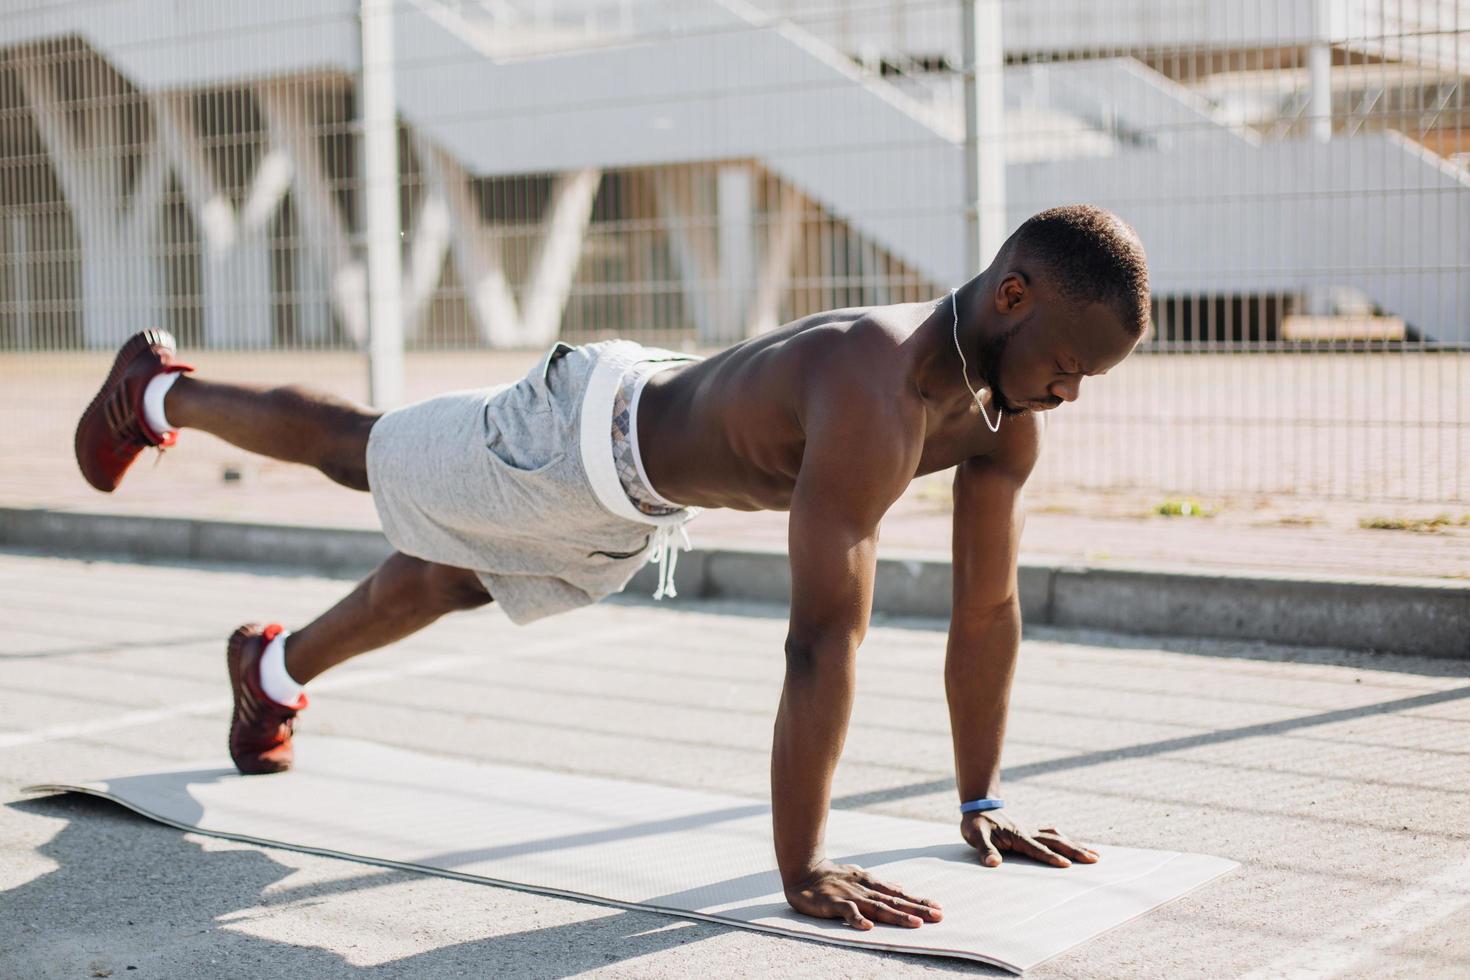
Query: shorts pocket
<point>529,473</point>
<point>524,511</point>
<point>529,502</point>
<point>558,350</point>
<point>618,555</point>
<point>520,430</point>
<point>610,546</point>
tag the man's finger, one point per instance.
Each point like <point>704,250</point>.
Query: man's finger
<point>1064,846</point>
<point>849,913</point>
<point>908,905</point>
<point>896,892</point>
<point>989,853</point>
<point>883,912</point>
<point>1031,847</point>
<point>1052,837</point>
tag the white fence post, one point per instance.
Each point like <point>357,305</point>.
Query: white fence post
<point>985,132</point>
<point>380,190</point>
<point>1319,62</point>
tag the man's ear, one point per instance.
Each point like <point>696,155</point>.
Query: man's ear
<point>1013,294</point>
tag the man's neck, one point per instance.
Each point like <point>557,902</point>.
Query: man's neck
<point>938,369</point>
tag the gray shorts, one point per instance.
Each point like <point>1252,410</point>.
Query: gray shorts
<point>518,484</point>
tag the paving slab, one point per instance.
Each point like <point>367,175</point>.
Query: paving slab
<point>1340,781</point>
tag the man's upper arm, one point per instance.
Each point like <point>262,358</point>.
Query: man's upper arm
<point>988,518</point>
<point>860,455</point>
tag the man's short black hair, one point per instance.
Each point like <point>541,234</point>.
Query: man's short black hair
<point>1089,255</point>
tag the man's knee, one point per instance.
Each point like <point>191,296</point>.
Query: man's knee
<point>455,589</point>
<point>350,474</point>
<point>346,462</point>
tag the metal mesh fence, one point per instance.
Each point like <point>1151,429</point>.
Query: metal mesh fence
<point>694,172</point>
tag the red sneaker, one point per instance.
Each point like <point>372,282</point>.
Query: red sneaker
<point>260,729</point>
<point>112,431</point>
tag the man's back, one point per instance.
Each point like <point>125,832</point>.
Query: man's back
<point>728,431</point>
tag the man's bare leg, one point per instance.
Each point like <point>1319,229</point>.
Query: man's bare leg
<point>298,425</point>
<point>266,664</point>
<point>401,597</point>
<point>293,424</point>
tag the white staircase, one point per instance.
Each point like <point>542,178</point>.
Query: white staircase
<point>1219,211</point>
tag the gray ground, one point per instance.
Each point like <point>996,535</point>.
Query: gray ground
<point>1340,782</point>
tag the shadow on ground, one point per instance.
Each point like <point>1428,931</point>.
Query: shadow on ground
<point>131,898</point>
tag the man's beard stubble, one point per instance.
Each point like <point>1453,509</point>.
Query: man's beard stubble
<point>990,357</point>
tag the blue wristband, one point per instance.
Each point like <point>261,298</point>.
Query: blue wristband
<point>980,806</point>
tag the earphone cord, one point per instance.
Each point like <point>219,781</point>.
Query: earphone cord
<point>954,304</point>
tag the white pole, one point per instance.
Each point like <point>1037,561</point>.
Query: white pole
<point>20,280</point>
<point>985,133</point>
<point>380,191</point>
<point>735,205</point>
<point>1319,64</point>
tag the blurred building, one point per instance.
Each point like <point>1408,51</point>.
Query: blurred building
<point>699,170</point>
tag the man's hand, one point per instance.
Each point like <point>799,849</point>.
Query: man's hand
<point>847,892</point>
<point>991,832</point>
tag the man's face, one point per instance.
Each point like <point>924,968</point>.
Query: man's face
<point>1040,362</point>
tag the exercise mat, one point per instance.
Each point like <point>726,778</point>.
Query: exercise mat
<point>637,846</point>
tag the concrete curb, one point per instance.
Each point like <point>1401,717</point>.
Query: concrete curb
<point>1426,618</point>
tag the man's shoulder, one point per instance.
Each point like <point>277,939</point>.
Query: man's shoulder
<point>884,326</point>
<point>852,358</point>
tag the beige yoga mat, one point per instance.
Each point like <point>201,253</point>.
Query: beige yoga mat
<point>677,851</point>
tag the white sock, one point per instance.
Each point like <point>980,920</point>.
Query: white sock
<point>278,685</point>
<point>153,401</point>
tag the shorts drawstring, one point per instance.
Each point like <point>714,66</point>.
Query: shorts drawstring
<point>666,555</point>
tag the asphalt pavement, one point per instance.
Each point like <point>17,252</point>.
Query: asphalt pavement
<point>1340,781</point>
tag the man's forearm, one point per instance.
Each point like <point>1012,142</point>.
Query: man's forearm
<point>977,678</point>
<point>811,726</point>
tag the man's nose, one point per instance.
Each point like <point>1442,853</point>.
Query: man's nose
<point>1067,390</point>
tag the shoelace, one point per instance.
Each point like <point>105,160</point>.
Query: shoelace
<point>666,555</point>
<point>127,427</point>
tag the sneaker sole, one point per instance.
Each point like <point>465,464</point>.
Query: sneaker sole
<point>135,345</point>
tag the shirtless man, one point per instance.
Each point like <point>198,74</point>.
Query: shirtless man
<point>536,496</point>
